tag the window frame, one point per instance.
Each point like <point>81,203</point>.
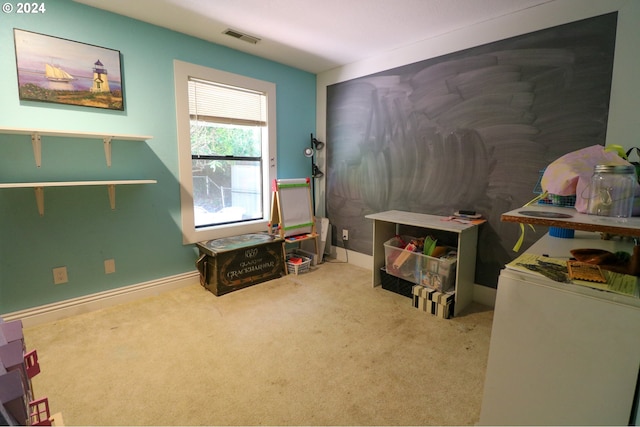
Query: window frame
<point>182,72</point>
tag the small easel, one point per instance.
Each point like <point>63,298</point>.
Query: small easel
<point>292,211</point>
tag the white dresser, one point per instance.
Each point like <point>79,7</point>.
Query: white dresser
<point>562,354</point>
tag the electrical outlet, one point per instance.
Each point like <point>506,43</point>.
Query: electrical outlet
<point>109,266</point>
<point>345,234</point>
<point>60,275</point>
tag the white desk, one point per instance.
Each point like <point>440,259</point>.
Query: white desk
<point>386,225</point>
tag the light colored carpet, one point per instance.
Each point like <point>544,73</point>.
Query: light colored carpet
<point>321,348</point>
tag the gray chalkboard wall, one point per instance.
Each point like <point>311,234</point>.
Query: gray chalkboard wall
<point>468,130</point>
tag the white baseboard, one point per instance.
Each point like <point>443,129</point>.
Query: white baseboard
<point>484,295</point>
<point>59,310</point>
<point>356,258</point>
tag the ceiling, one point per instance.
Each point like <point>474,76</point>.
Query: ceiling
<point>315,35</point>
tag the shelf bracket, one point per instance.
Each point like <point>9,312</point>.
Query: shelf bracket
<point>40,199</point>
<point>107,149</point>
<point>37,148</point>
<point>111,188</point>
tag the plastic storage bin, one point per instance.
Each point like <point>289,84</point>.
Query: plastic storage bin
<point>415,267</point>
<point>302,267</point>
<point>301,252</point>
<point>395,284</point>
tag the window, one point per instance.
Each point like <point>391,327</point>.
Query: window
<point>226,145</point>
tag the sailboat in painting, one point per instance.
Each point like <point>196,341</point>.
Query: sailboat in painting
<point>57,74</point>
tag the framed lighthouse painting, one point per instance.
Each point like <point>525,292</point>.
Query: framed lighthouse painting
<point>52,69</point>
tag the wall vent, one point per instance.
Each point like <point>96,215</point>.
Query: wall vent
<point>241,36</point>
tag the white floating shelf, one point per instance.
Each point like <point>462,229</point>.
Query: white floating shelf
<point>37,134</point>
<point>39,188</point>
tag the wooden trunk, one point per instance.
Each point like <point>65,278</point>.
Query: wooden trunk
<point>237,262</point>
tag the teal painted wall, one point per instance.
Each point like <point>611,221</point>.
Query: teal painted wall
<point>79,230</point>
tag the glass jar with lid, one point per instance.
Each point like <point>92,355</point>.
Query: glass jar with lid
<point>611,190</point>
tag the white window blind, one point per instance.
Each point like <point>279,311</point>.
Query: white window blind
<point>218,103</point>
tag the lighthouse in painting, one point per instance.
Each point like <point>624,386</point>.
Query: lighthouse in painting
<point>100,78</point>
